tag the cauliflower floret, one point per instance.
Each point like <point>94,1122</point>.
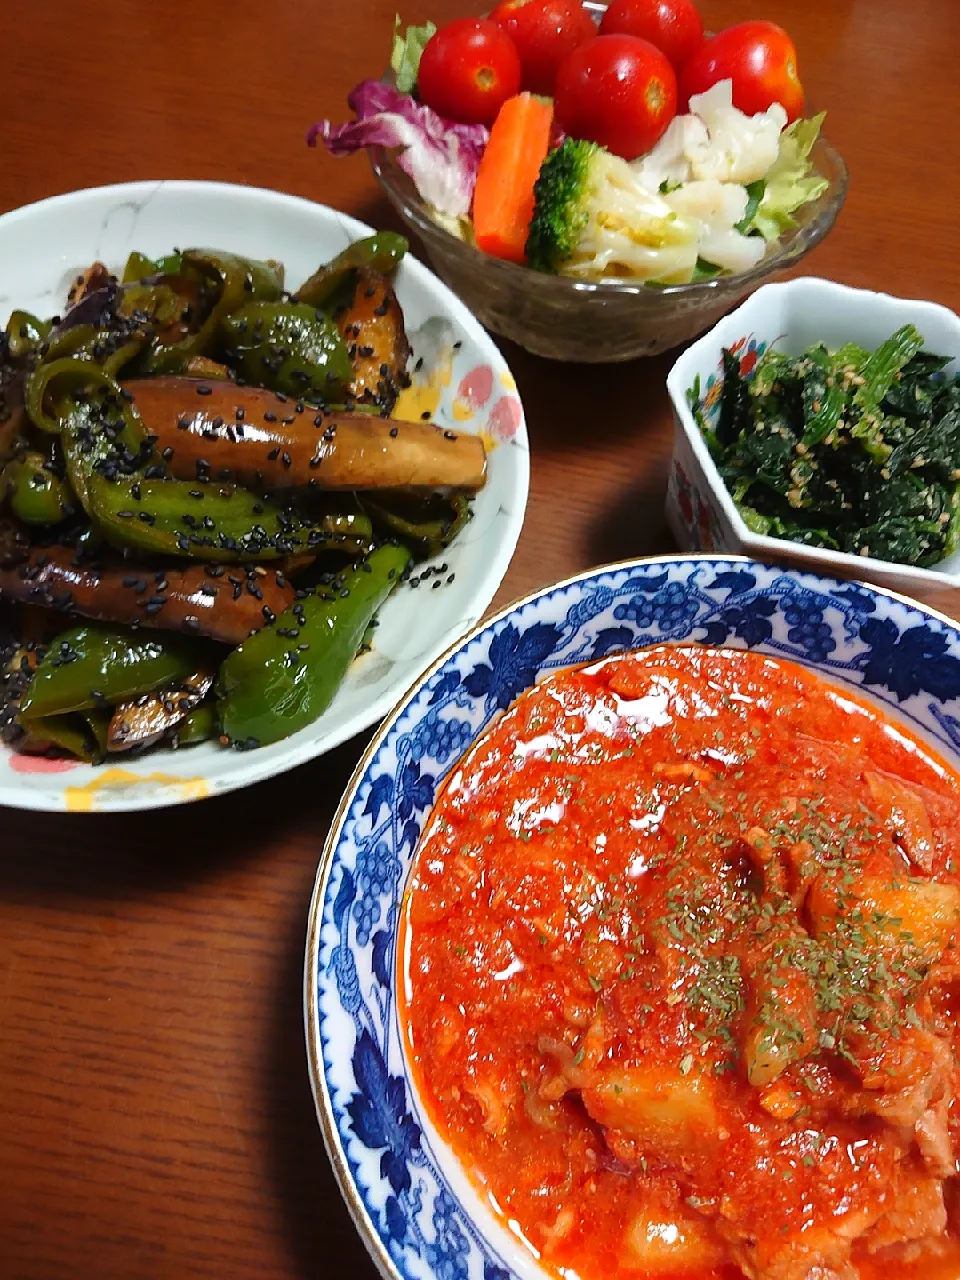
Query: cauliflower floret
<point>741,148</point>
<point>718,207</point>
<point>669,161</point>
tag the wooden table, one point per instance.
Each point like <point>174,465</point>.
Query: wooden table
<point>155,1116</point>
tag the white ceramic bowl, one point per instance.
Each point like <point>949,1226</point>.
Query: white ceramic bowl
<point>700,511</point>
<point>418,1213</point>
<point>464,380</point>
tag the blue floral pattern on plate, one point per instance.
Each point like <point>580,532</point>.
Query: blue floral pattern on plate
<point>406,1195</point>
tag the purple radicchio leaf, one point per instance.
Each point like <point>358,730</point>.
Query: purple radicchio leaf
<point>442,158</point>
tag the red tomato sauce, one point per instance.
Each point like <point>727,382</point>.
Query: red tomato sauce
<point>678,975</point>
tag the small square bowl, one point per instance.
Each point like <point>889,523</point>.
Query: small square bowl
<point>792,316</point>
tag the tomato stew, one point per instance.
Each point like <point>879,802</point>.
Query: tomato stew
<point>677,975</point>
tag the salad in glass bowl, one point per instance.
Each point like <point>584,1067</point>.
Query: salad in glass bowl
<point>584,174</point>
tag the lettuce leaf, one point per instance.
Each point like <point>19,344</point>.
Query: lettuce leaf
<point>790,182</point>
<point>442,158</point>
<point>406,53</point>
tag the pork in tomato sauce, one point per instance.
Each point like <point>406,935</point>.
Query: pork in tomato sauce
<point>678,973</point>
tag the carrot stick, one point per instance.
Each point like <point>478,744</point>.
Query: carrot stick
<point>510,165</point>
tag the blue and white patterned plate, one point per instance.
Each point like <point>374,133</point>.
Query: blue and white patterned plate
<point>416,1210</point>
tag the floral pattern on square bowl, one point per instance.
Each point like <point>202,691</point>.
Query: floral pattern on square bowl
<point>748,350</point>
<point>413,1204</point>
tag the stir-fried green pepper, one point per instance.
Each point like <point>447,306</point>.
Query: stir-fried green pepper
<point>93,667</point>
<point>54,379</point>
<point>430,523</point>
<point>72,734</point>
<point>381,252</point>
<point>199,726</point>
<point>209,522</point>
<point>232,282</point>
<point>282,678</point>
<point>34,493</point>
<point>25,333</point>
<point>139,267</point>
<point>98,723</point>
<point>289,347</point>
<point>97,423</point>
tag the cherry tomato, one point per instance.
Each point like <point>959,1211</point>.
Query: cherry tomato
<point>616,90</point>
<point>674,26</point>
<point>544,32</point>
<point>468,70</point>
<point>760,59</point>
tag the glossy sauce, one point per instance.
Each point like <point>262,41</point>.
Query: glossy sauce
<point>677,975</point>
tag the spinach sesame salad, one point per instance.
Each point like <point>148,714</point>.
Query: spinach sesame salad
<point>204,499</point>
<point>851,450</point>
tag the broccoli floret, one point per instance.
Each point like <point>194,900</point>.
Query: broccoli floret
<point>594,217</point>
<point>559,212</point>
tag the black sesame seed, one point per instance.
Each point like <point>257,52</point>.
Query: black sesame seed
<point>203,389</point>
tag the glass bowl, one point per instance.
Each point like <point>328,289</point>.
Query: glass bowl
<point>610,320</point>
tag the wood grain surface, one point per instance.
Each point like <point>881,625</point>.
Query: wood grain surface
<point>155,1116</point>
